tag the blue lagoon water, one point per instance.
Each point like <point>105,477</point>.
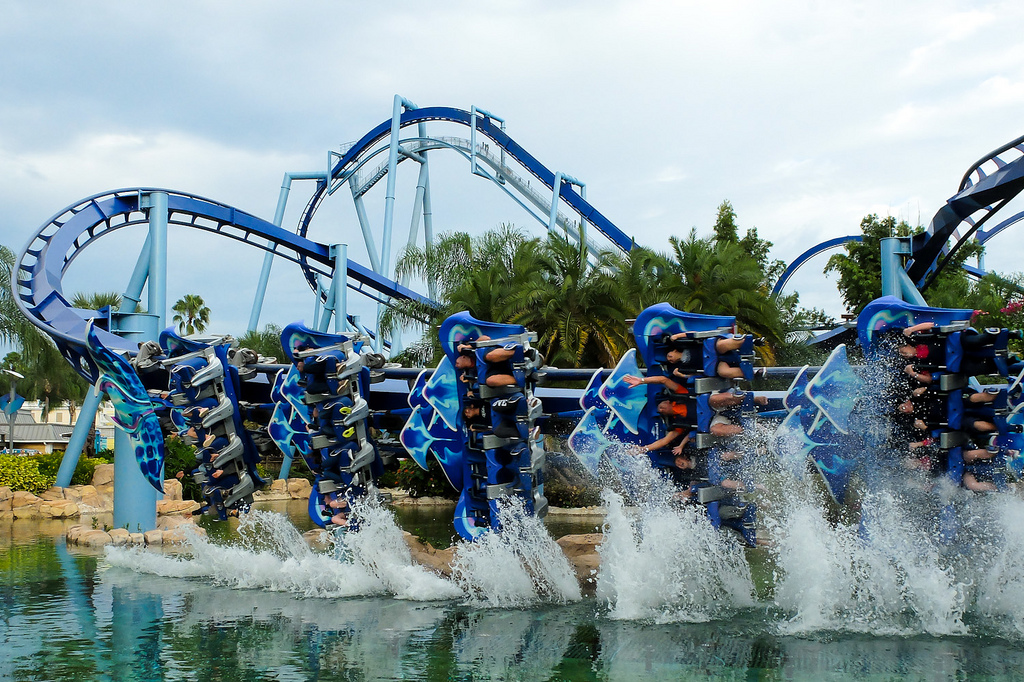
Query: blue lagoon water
<point>672,601</point>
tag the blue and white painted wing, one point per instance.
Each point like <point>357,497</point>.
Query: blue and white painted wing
<point>791,444</point>
<point>416,437</point>
<point>835,389</point>
<point>416,398</point>
<point>625,401</point>
<point>592,393</point>
<point>587,441</point>
<point>835,463</point>
<point>796,395</point>
<point>441,393</point>
<point>286,385</point>
<point>133,410</point>
<point>450,454</point>
<point>465,525</point>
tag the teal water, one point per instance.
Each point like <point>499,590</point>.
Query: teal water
<point>254,604</point>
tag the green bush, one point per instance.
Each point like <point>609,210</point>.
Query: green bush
<point>180,456</point>
<point>49,465</point>
<point>567,496</point>
<point>22,473</point>
<point>417,482</point>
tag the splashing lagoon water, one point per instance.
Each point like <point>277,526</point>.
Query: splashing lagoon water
<point>271,555</point>
<point>520,567</point>
<point>675,600</point>
<point>666,563</point>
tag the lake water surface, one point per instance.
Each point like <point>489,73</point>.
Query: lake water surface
<point>674,601</point>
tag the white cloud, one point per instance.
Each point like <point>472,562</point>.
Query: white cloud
<point>806,119</point>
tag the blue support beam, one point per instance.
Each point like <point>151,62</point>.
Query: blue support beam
<point>157,286</point>
<point>79,437</point>
<point>895,281</point>
<point>133,292</point>
<point>268,258</point>
<point>134,498</point>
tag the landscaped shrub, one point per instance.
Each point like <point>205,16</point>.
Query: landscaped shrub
<point>179,456</point>
<point>417,482</point>
<point>567,496</point>
<point>22,473</point>
<point>49,465</point>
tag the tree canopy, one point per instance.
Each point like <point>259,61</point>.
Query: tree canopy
<point>578,303</point>
<point>860,268</point>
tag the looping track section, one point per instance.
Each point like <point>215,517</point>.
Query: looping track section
<point>42,264</point>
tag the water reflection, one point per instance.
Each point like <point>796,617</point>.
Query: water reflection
<point>78,615</point>
<point>68,616</point>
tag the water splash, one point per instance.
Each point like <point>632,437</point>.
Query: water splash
<point>520,566</point>
<point>667,563</point>
<point>887,576</point>
<point>996,568</point>
<point>271,555</point>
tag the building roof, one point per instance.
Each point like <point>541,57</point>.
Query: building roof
<point>23,417</point>
<point>37,433</point>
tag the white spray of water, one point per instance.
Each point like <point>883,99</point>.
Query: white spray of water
<point>668,563</point>
<point>886,578</point>
<point>520,566</point>
<point>998,572</point>
<point>273,556</point>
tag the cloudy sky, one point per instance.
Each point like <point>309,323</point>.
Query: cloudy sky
<point>806,115</point>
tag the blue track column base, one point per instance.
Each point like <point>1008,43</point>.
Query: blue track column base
<point>134,498</point>
<point>895,281</point>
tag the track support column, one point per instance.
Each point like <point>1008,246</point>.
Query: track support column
<point>268,259</point>
<point>134,498</point>
<point>895,281</point>
<point>79,437</point>
<point>157,204</point>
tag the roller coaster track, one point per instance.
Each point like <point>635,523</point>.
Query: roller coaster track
<point>42,264</point>
<point>807,255</point>
<point>986,187</point>
<point>355,157</point>
<point>365,180</point>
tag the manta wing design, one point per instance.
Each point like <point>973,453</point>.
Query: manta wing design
<point>587,441</point>
<point>626,402</point>
<point>441,393</point>
<point>416,437</point>
<point>133,410</point>
<point>835,389</point>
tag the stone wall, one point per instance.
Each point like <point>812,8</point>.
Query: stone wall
<point>79,500</point>
<point>170,531</point>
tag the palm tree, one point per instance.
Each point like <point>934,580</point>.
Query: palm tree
<point>96,300</point>
<point>266,343</point>
<point>191,314</point>
<point>12,323</point>
<point>639,278</point>
<point>469,273</point>
<point>575,308</point>
<point>48,376</point>
<point>720,278</point>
